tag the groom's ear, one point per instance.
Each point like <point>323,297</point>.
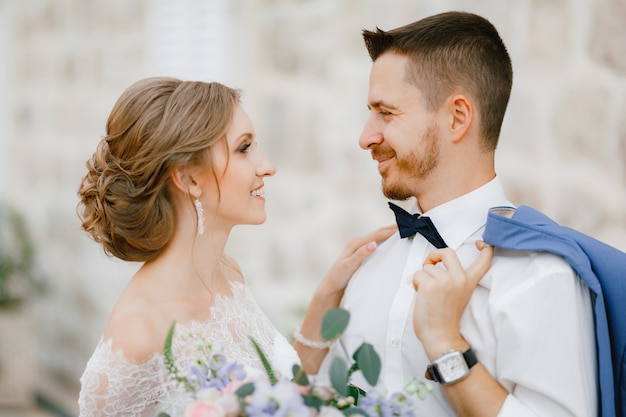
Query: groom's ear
<point>461,116</point>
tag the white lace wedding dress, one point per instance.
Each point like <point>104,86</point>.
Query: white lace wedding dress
<point>114,386</point>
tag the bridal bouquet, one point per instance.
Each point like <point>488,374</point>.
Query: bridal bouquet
<point>219,387</point>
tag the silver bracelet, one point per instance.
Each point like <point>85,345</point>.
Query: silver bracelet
<point>310,343</point>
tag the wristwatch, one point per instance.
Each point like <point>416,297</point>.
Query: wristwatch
<point>451,367</point>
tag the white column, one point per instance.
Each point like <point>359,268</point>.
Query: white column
<point>190,39</point>
<point>5,61</point>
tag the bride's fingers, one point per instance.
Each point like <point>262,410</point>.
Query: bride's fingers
<point>360,248</point>
<point>352,262</point>
<point>376,236</point>
<point>383,233</point>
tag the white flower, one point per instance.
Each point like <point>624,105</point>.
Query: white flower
<point>329,412</point>
<point>209,394</point>
<point>280,400</point>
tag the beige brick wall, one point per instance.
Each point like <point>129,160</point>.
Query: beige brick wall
<point>304,73</point>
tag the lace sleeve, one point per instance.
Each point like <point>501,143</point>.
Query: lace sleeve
<point>114,386</point>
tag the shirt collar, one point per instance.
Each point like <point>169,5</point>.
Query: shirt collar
<point>458,219</point>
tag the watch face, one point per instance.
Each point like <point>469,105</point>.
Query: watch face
<point>452,367</point>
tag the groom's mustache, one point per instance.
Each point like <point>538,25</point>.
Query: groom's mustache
<point>382,152</point>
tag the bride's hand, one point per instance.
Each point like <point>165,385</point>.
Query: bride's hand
<point>350,259</point>
<point>328,295</point>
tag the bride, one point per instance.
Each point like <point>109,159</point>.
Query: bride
<point>178,168</point>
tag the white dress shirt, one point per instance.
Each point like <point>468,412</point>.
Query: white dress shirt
<point>529,321</point>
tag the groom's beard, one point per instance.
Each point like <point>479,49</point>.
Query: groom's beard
<point>401,181</point>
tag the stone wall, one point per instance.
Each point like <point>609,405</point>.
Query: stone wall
<point>562,148</point>
<point>304,72</point>
<point>68,62</point>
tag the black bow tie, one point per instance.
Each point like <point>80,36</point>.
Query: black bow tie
<point>409,224</point>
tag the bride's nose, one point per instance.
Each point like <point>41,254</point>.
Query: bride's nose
<point>265,168</point>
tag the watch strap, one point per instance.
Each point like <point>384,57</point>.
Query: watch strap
<point>432,373</point>
<point>470,358</point>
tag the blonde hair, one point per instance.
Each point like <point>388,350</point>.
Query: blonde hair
<point>156,126</point>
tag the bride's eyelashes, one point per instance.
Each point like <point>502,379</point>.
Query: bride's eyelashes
<point>244,147</point>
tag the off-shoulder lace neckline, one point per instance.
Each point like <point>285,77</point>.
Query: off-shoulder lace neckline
<point>114,386</point>
<point>238,289</point>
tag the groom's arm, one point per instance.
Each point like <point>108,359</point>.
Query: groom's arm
<point>544,355</point>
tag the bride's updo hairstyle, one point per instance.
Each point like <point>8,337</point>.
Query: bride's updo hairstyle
<point>156,126</point>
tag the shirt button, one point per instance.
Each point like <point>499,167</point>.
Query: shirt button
<point>395,343</point>
<point>409,279</point>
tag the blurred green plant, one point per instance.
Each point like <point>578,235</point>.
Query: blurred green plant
<point>18,278</point>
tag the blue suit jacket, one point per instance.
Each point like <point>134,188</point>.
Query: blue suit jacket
<point>603,269</point>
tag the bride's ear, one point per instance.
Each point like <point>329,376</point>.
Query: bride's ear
<point>184,180</point>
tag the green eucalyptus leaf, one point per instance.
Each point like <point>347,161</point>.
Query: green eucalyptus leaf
<point>354,411</point>
<point>353,369</point>
<point>313,401</point>
<point>339,376</point>
<point>168,357</point>
<point>266,363</point>
<point>368,362</point>
<point>356,393</point>
<point>299,376</point>
<point>245,390</point>
<point>334,323</point>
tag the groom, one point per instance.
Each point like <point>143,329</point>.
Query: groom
<point>521,341</point>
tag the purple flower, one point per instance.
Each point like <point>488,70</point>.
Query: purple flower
<point>232,371</point>
<point>377,405</point>
<point>197,376</point>
<point>401,405</point>
<point>279,400</point>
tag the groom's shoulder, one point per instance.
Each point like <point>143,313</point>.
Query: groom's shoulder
<point>521,261</point>
<point>518,271</point>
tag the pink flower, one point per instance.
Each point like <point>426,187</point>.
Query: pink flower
<point>323,392</point>
<point>234,386</point>
<point>204,409</point>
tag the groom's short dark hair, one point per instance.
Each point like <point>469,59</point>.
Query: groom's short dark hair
<point>449,51</point>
